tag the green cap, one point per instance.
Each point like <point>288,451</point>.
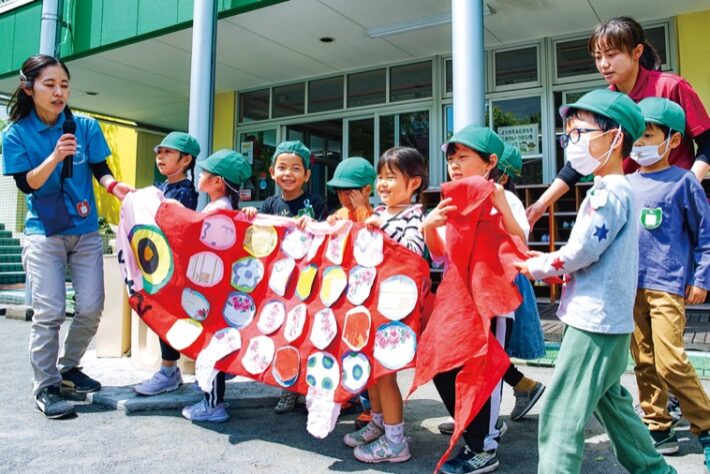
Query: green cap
<point>180,141</point>
<point>227,164</point>
<point>351,173</point>
<point>295,147</point>
<point>510,162</point>
<point>613,105</point>
<point>481,139</point>
<point>663,112</point>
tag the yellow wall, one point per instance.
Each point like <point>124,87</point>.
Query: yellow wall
<point>145,166</point>
<point>224,121</point>
<point>694,52</point>
<point>122,140</point>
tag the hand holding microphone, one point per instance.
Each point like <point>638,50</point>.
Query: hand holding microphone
<point>69,127</point>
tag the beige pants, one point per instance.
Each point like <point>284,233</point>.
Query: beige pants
<point>661,362</point>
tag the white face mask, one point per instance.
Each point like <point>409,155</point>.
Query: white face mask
<point>581,160</point>
<point>648,155</point>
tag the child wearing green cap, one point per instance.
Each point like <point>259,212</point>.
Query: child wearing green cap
<point>598,297</point>
<point>477,151</point>
<point>174,157</point>
<point>674,270</point>
<point>222,174</point>
<point>290,170</point>
<point>352,181</point>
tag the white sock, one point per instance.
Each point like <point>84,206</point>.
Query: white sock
<point>395,433</point>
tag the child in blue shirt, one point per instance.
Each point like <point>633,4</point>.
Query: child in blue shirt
<point>598,297</point>
<point>674,270</point>
<point>174,157</point>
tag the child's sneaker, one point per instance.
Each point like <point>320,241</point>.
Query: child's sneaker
<point>201,411</point>
<point>363,419</point>
<point>286,403</point>
<point>673,408</point>
<point>665,442</point>
<point>468,462</point>
<point>524,401</point>
<point>160,382</point>
<point>383,450</point>
<point>368,433</point>
<point>76,380</point>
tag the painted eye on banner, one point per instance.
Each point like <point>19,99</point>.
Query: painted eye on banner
<point>152,252</point>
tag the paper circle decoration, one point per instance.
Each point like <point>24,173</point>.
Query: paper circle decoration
<point>247,272</point>
<point>395,345</point>
<point>287,363</point>
<point>205,269</point>
<point>260,240</point>
<point>239,310</point>
<point>322,371</point>
<point>258,355</point>
<point>271,317</point>
<point>183,333</point>
<point>195,304</point>
<point>218,232</point>
<point>356,371</point>
<point>153,256</point>
<point>398,297</point>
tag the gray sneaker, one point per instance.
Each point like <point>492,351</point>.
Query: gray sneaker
<point>367,434</point>
<point>382,450</point>
<point>160,382</point>
<point>286,403</point>
<point>524,401</point>
<point>665,442</point>
<point>51,404</point>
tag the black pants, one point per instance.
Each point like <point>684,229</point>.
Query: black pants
<point>167,352</point>
<point>445,382</point>
<point>216,395</point>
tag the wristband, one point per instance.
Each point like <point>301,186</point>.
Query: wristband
<point>110,187</point>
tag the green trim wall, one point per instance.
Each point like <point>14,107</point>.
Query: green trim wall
<point>91,26</point>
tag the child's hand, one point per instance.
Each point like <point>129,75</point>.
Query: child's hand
<point>303,221</point>
<point>375,221</point>
<point>358,198</point>
<point>695,295</point>
<point>439,215</point>
<point>498,198</point>
<point>250,212</point>
<point>332,219</point>
<point>523,269</point>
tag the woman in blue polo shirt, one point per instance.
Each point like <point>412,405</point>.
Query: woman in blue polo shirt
<point>61,225</point>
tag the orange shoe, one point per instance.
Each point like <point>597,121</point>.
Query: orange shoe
<point>363,419</point>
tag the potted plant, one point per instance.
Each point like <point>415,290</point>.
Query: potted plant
<point>107,234</point>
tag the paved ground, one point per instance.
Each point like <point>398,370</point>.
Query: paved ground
<point>154,438</point>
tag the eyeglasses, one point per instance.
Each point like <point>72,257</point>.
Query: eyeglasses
<point>574,135</point>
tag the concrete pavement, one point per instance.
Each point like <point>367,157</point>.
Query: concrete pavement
<point>116,432</point>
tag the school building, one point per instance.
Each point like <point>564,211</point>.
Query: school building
<point>347,77</point>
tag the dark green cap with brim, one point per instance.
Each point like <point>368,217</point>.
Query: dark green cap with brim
<point>663,112</point>
<point>229,165</point>
<point>294,147</point>
<point>480,139</point>
<point>353,173</point>
<point>613,105</point>
<point>180,141</point>
<point>510,162</point>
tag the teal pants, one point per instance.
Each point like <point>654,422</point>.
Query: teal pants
<point>586,381</point>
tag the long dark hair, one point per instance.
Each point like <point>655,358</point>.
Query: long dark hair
<point>624,33</point>
<point>21,105</point>
<point>409,162</point>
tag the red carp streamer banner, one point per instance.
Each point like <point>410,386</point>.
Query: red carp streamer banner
<point>323,311</point>
<point>479,278</point>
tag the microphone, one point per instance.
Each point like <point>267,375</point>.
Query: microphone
<point>69,126</point>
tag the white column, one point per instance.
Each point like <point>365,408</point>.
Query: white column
<point>48,28</point>
<point>202,78</point>
<point>468,63</point>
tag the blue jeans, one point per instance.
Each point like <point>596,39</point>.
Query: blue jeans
<point>526,339</point>
<point>44,259</point>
